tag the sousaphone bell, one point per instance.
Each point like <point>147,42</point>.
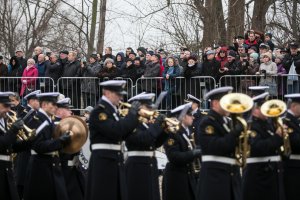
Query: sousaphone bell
<point>79,133</point>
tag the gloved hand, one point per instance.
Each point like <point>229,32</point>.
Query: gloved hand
<point>135,107</point>
<point>196,152</point>
<point>65,138</point>
<point>16,126</point>
<point>160,119</point>
<point>238,128</point>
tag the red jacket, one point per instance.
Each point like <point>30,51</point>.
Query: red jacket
<point>31,82</point>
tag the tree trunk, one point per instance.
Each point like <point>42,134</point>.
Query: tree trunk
<point>214,30</point>
<point>236,16</point>
<point>294,19</point>
<point>101,30</point>
<point>259,14</point>
<point>93,27</point>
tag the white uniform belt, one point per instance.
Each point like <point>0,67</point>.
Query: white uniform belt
<point>294,157</point>
<point>5,157</point>
<point>219,159</point>
<point>263,159</point>
<point>53,153</point>
<point>141,153</point>
<point>116,147</point>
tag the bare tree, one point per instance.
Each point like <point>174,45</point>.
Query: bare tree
<point>101,30</point>
<point>236,16</point>
<point>93,27</point>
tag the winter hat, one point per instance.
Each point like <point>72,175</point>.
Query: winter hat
<point>254,56</point>
<point>94,56</point>
<point>269,34</point>
<point>150,52</point>
<point>192,57</point>
<point>142,49</point>
<point>231,54</point>
<point>268,55</point>
<point>108,60</point>
<point>157,55</point>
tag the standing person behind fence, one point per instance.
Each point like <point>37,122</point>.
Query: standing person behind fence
<point>210,67</point>
<point>37,51</point>
<point>152,70</point>
<point>281,80</point>
<point>192,69</point>
<point>109,70</point>
<point>41,67</point>
<point>14,70</point>
<point>267,69</point>
<point>169,74</point>
<point>3,73</point>
<point>70,86</point>
<point>89,85</point>
<point>120,60</point>
<point>54,70</point>
<point>20,56</point>
<point>222,56</point>
<point>29,84</point>
<point>291,63</point>
<point>108,54</point>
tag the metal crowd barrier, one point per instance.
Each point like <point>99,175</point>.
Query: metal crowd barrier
<point>177,88</point>
<point>279,84</point>
<point>85,91</point>
<point>14,84</point>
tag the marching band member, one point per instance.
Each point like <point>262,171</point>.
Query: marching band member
<point>70,164</point>
<point>45,179</point>
<point>220,175</point>
<point>258,90</point>
<point>262,176</point>
<point>180,174</point>
<point>22,159</point>
<point>8,189</point>
<point>141,166</point>
<point>292,164</point>
<point>106,177</point>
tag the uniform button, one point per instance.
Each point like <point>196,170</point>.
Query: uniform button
<point>59,164</point>
<point>189,172</point>
<point>6,169</point>
<point>231,174</point>
<point>278,170</point>
<point>119,164</point>
<point>151,165</point>
<point>119,153</point>
<point>53,164</point>
<point>150,148</point>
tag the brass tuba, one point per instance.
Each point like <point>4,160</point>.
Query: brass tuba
<point>79,133</point>
<point>274,109</point>
<point>237,104</point>
<point>23,134</point>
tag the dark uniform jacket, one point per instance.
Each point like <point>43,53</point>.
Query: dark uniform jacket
<point>141,171</point>
<point>263,180</point>
<point>218,180</point>
<point>8,189</point>
<point>106,177</point>
<point>292,166</point>
<point>44,178</point>
<point>179,177</point>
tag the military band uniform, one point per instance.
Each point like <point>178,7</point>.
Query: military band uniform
<point>44,176</point>
<point>141,170</point>
<point>218,179</point>
<point>292,164</point>
<point>106,175</point>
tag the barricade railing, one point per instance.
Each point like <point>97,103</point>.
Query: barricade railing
<point>24,85</point>
<point>279,85</point>
<point>177,88</point>
<point>86,91</point>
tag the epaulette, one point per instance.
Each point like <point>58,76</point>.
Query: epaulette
<point>204,113</point>
<point>101,106</point>
<point>25,111</point>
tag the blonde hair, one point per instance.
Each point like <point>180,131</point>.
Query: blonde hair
<point>31,61</point>
<point>74,54</point>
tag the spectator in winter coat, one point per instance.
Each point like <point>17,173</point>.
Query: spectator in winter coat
<point>3,73</point>
<point>120,60</point>
<point>139,67</point>
<point>29,84</point>
<point>54,70</point>
<point>14,70</point>
<point>129,71</point>
<point>222,56</point>
<point>41,67</point>
<point>89,85</point>
<point>128,51</point>
<point>37,51</point>
<point>71,85</point>
<point>268,41</point>
<point>192,69</point>
<point>109,71</point>
<point>63,58</point>
<point>211,67</point>
<point>252,40</point>
<point>21,59</point>
<point>281,80</point>
<point>268,68</point>
<point>170,73</point>
<point>108,54</point>
<point>151,70</point>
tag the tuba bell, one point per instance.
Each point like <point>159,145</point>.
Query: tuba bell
<point>274,109</point>
<point>237,104</point>
<point>79,133</point>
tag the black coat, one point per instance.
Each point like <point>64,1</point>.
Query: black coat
<point>129,72</point>
<point>218,180</point>
<point>142,172</point>
<point>198,116</point>
<point>109,73</point>
<point>263,180</point>
<point>53,70</point>
<point>292,167</point>
<point>192,85</point>
<point>71,69</point>
<point>179,178</point>
<point>288,61</point>
<point>8,189</point>
<point>106,175</point>
<point>44,176</point>
<point>211,68</point>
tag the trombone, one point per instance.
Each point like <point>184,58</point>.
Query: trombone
<point>237,104</point>
<point>25,133</point>
<point>274,109</point>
